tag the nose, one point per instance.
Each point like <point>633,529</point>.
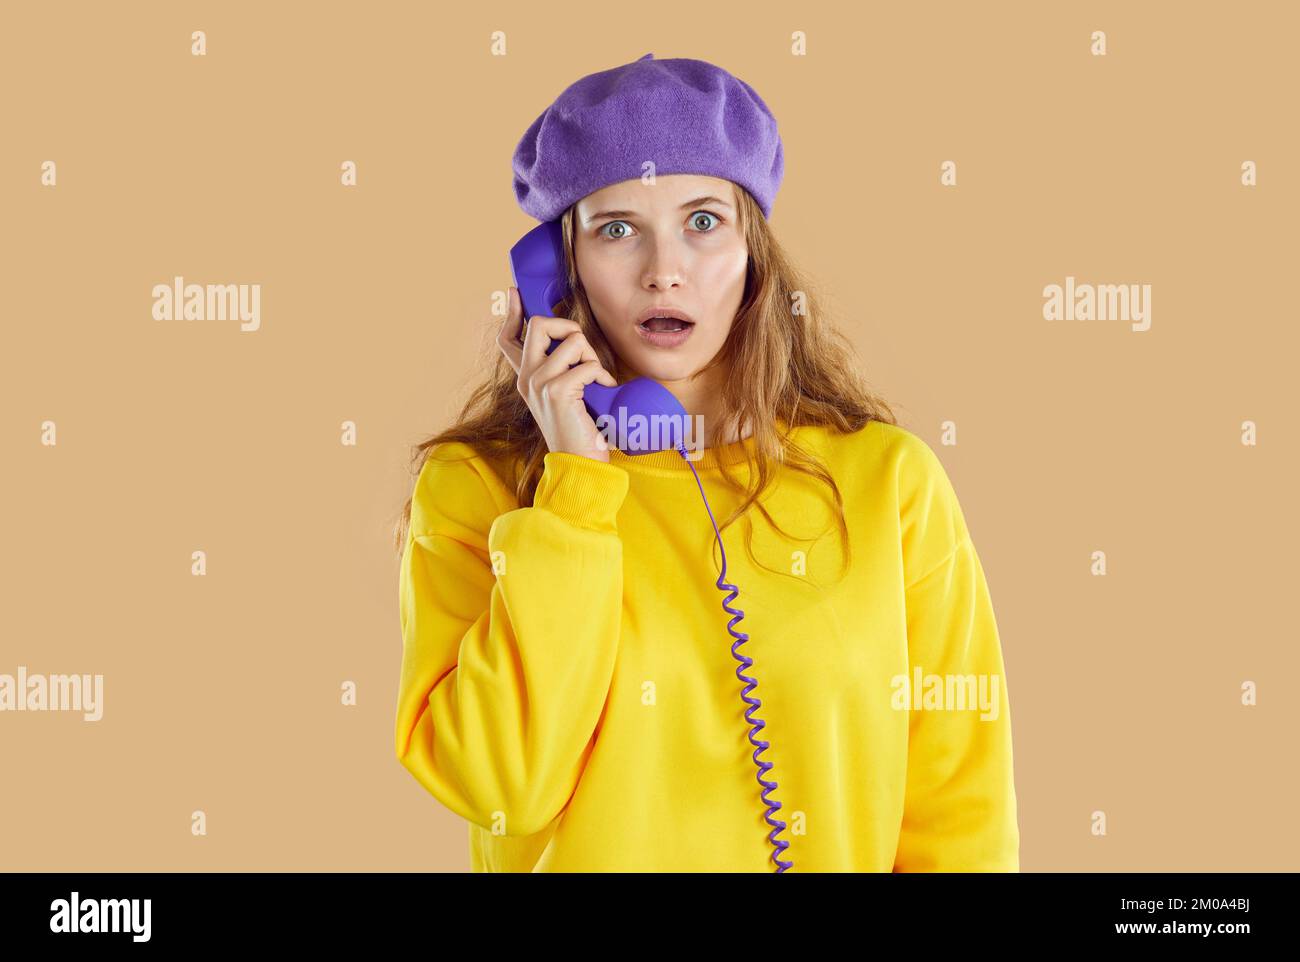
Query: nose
<point>663,271</point>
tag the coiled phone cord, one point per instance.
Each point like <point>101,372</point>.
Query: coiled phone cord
<point>778,826</point>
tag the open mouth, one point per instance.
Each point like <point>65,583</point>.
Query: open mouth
<point>664,325</point>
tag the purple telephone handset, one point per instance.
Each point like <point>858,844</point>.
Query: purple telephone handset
<point>537,262</point>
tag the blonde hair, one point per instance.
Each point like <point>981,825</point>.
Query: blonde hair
<point>786,364</point>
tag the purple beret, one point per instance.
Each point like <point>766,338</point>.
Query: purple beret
<point>686,116</point>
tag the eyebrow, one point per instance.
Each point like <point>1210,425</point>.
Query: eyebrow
<point>690,203</point>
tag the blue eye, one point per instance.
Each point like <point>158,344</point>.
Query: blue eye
<point>713,221</point>
<point>705,213</point>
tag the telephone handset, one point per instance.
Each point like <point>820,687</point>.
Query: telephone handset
<point>538,265</point>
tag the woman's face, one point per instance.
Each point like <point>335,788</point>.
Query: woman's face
<point>672,244</point>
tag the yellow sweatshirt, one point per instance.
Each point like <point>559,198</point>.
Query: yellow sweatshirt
<point>568,685</point>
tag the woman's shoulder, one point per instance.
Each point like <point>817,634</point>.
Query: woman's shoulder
<point>932,520</point>
<point>882,460</point>
<point>881,455</point>
<point>874,447</point>
<point>899,445</point>
<point>460,490</point>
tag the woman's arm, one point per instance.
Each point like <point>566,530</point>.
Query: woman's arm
<point>960,807</point>
<point>510,629</point>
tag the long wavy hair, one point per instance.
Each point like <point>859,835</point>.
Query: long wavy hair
<point>787,361</point>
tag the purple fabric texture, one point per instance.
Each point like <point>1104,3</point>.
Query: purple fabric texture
<point>686,116</point>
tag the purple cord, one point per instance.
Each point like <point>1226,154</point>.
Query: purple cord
<point>778,826</point>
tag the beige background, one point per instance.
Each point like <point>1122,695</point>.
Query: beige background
<point>222,692</point>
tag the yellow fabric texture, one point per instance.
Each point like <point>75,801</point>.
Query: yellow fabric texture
<point>568,686</point>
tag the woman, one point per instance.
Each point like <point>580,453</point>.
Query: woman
<point>569,683</point>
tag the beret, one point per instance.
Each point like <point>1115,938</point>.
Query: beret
<point>686,116</point>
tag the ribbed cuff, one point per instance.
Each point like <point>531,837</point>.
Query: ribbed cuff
<point>582,490</point>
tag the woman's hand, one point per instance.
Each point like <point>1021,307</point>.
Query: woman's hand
<point>551,388</point>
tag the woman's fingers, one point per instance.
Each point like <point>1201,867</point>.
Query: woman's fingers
<point>550,383</point>
<point>573,349</point>
<point>541,329</point>
<point>576,378</point>
<point>529,358</point>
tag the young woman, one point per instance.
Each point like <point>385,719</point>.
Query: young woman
<point>571,683</point>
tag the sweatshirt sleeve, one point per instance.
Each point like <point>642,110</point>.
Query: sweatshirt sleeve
<point>510,628</point>
<point>960,805</point>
